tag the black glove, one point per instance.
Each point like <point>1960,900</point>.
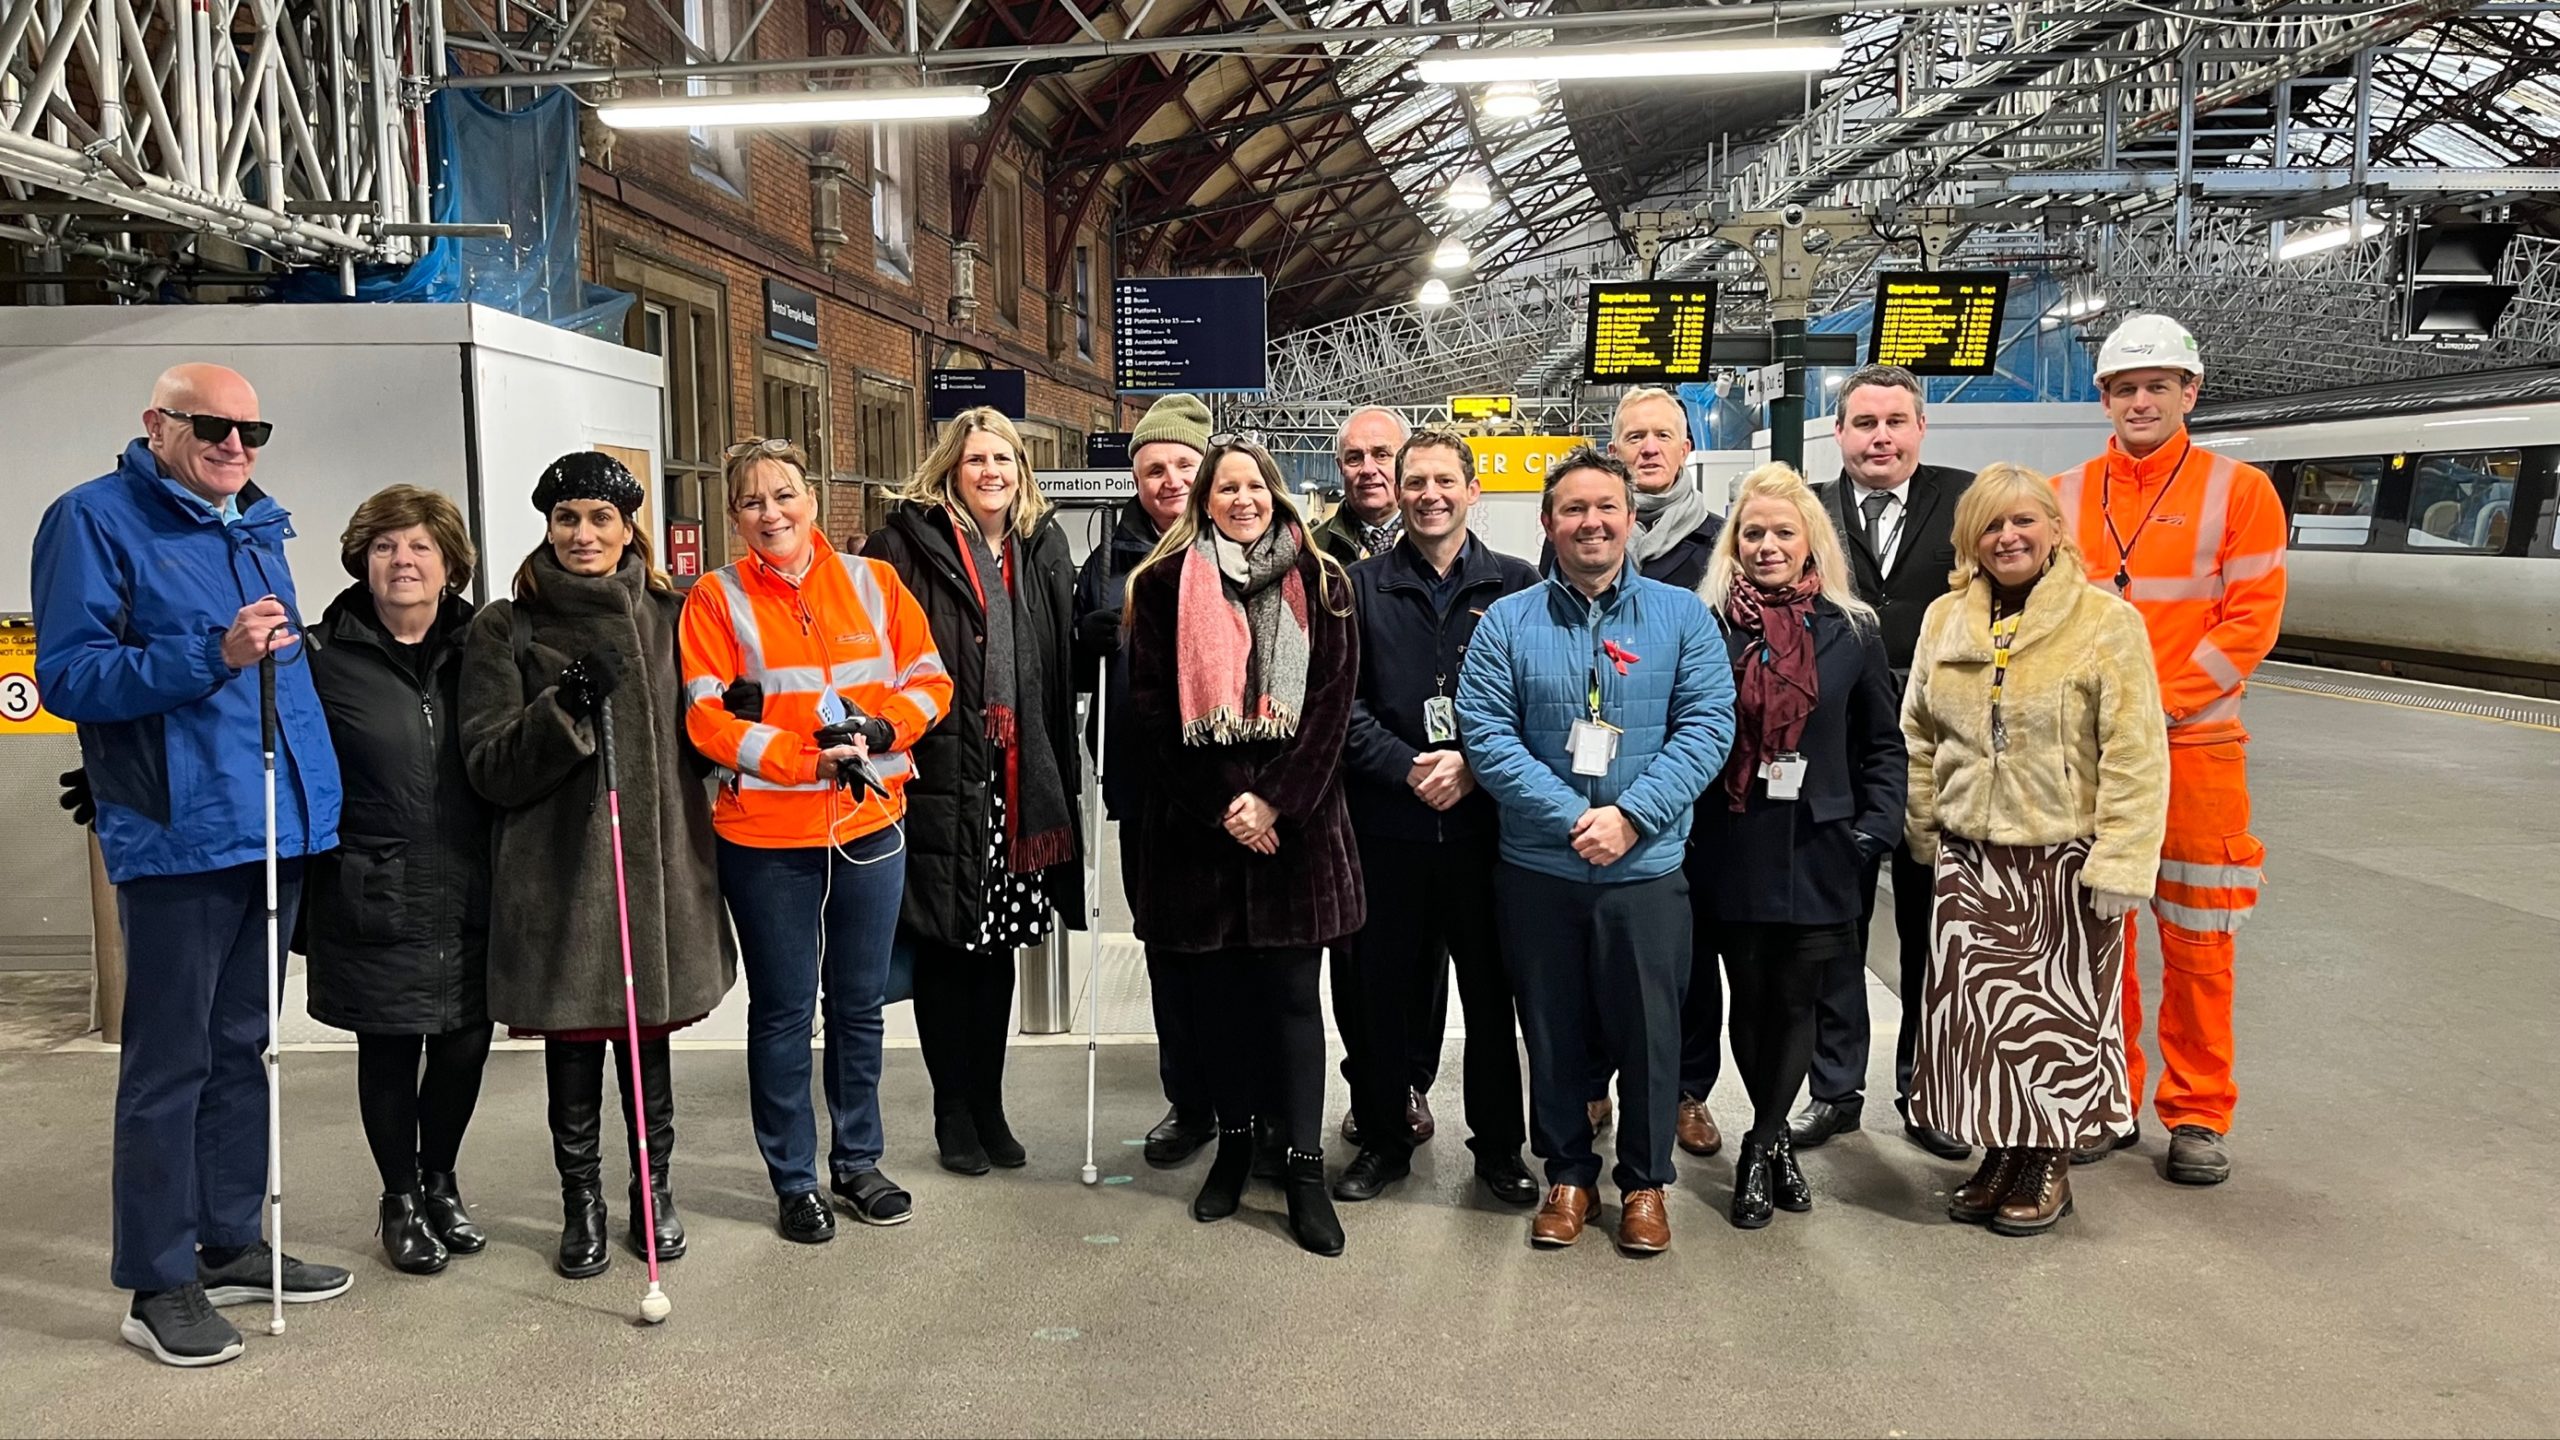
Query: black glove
<point>744,699</point>
<point>873,731</point>
<point>1099,632</point>
<point>76,797</point>
<point>587,680</point>
<point>1869,847</point>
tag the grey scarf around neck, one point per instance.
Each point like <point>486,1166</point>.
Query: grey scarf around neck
<point>1665,518</point>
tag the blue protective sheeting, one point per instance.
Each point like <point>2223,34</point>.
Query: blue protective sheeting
<point>517,166</point>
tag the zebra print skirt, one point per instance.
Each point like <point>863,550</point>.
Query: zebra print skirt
<point>2021,1040</point>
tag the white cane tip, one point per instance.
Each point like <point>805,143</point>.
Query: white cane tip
<point>1092,1176</point>
<point>655,1307</point>
<point>275,1327</point>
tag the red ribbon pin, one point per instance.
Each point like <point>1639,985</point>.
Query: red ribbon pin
<point>1619,655</point>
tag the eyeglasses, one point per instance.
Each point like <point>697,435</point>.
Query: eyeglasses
<point>214,429</point>
<point>744,448</point>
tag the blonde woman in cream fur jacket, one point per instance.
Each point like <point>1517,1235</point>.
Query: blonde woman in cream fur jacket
<point>2039,790</point>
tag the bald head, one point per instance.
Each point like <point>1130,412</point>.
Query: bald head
<point>213,470</point>
<point>1365,451</point>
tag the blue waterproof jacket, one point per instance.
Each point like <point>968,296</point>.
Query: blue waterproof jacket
<point>1656,655</point>
<point>134,585</point>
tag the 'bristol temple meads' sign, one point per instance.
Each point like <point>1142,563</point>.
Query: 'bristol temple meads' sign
<point>790,315</point>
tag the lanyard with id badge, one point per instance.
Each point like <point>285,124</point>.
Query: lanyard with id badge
<point>1593,744</point>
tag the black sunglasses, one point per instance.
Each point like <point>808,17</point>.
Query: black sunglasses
<point>214,429</point>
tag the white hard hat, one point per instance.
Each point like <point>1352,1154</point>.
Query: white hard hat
<point>2149,342</point>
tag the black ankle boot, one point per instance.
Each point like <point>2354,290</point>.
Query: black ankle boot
<point>996,1138</point>
<point>955,1136</point>
<point>1223,1191</point>
<point>407,1238</point>
<point>583,1251</point>
<point>1787,1189</point>
<point>442,1201</point>
<point>1751,1182</point>
<point>1311,1216</point>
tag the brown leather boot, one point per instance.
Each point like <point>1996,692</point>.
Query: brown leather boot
<point>1560,1220</point>
<point>1976,1198</point>
<point>1695,1128</point>
<point>2039,1196</point>
<point>1643,1228</point>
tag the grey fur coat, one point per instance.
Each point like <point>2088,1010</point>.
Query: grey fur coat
<point>555,961</point>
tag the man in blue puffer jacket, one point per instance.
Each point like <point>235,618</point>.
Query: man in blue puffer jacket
<point>1595,708</point>
<point>158,589</point>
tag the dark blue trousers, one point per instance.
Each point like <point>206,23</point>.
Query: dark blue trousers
<point>191,1101</point>
<point>1599,970</point>
<point>783,902</point>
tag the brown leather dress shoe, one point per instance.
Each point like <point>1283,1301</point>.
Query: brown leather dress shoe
<point>1643,1228</point>
<point>1976,1198</point>
<point>1696,1128</point>
<point>2039,1197</point>
<point>1417,1116</point>
<point>1560,1220</point>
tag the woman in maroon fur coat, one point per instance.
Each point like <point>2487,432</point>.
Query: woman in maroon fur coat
<point>1242,661</point>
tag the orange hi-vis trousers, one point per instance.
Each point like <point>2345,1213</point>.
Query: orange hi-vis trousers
<point>2210,871</point>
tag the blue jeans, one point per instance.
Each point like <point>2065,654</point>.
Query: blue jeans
<point>191,1096</point>
<point>777,898</point>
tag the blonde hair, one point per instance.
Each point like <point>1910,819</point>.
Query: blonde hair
<point>1638,396</point>
<point>1822,542</point>
<point>1333,583</point>
<point>397,507</point>
<point>931,485</point>
<point>738,460</point>
<point>2000,486</point>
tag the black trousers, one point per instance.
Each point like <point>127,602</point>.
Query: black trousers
<point>1840,1014</point>
<point>1599,969</point>
<point>1261,1014</point>
<point>964,1015</point>
<point>1182,1053</point>
<point>1430,903</point>
<point>1702,1023</point>
<point>413,1120</point>
<point>1775,971</point>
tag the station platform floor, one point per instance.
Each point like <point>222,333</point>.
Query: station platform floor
<point>2381,1262</point>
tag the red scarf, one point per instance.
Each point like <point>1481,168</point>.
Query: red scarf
<point>1779,683</point>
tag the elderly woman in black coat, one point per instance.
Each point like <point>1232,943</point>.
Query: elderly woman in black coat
<point>1243,663</point>
<point>1811,794</point>
<point>396,919</point>
<point>594,620</point>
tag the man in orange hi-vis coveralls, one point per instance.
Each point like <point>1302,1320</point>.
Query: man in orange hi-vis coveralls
<point>2196,541</point>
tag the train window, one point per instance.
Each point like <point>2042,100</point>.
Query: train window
<point>2333,501</point>
<point>2464,501</point>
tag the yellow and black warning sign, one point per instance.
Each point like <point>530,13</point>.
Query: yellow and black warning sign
<point>22,709</point>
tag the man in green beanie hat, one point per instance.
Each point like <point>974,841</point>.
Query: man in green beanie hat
<point>1165,452</point>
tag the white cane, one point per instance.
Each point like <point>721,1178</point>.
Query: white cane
<point>1093,927</point>
<point>275,1005</point>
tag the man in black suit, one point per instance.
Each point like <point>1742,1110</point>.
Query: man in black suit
<point>1896,519</point>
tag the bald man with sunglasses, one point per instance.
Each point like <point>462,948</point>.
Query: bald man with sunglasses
<point>159,587</point>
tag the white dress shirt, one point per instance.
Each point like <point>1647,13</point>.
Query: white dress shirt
<point>1889,524</point>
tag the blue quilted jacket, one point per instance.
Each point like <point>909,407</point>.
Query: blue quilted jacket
<point>1664,680</point>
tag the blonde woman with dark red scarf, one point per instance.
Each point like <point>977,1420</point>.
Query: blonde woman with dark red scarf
<point>1243,660</point>
<point>1811,794</point>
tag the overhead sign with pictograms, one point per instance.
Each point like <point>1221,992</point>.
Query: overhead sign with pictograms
<point>22,709</point>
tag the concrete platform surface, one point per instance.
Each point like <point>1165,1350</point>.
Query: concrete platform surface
<point>2381,1264</point>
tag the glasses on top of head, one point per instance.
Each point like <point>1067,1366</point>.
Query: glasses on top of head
<point>776,445</point>
<point>214,429</point>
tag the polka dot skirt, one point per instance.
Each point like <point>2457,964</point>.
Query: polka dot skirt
<point>1016,913</point>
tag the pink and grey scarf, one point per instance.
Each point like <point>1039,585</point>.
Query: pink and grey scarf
<point>1241,638</point>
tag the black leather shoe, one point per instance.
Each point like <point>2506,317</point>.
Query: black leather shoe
<point>996,1138</point>
<point>442,1202</point>
<point>1937,1142</point>
<point>1507,1179</point>
<point>807,1219</point>
<point>583,1251</point>
<point>1822,1119</point>
<point>955,1137</point>
<point>1370,1173</point>
<point>1751,1184</point>
<point>1223,1191</point>
<point>1311,1218</point>
<point>1178,1137</point>
<point>1787,1189</point>
<point>408,1239</point>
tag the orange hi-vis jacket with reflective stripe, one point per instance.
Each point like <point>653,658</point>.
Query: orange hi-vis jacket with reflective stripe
<point>2200,538</point>
<point>847,623</point>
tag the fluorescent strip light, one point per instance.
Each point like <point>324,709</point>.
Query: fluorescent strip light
<point>1435,291</point>
<point>821,107</point>
<point>2314,242</point>
<point>1630,62</point>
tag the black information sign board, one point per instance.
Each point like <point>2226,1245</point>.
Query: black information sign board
<point>1200,333</point>
<point>1106,450</point>
<point>790,315</point>
<point>948,392</point>
<point>1650,333</point>
<point>1939,322</point>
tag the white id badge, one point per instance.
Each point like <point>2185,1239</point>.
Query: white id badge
<point>1785,776</point>
<point>831,709</point>
<point>1439,720</point>
<point>1592,745</point>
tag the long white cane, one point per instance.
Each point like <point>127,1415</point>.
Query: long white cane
<point>1093,928</point>
<point>275,1006</point>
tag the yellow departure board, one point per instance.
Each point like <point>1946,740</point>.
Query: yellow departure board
<point>1481,407</point>
<point>1648,334</point>
<point>1939,322</point>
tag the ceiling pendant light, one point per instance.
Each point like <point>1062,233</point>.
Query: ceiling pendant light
<point>1435,291</point>
<point>1470,193</point>
<point>1452,255</point>
<point>1510,100</point>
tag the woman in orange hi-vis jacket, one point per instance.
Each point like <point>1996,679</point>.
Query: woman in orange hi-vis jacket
<point>792,640</point>
<point>2196,541</point>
